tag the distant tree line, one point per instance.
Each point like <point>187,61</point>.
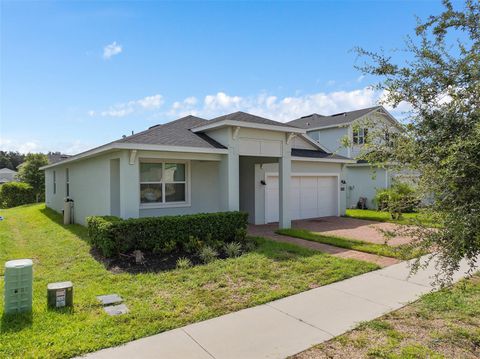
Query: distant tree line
<point>11,159</point>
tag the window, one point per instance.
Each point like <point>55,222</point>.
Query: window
<point>163,183</point>
<point>54,182</point>
<point>360,136</point>
<point>67,182</point>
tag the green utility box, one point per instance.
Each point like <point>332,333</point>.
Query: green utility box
<point>60,295</point>
<point>18,286</point>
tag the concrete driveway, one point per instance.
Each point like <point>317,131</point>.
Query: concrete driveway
<point>359,229</point>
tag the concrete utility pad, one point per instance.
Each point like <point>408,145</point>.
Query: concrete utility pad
<point>258,332</point>
<point>116,309</point>
<point>173,344</point>
<point>330,310</point>
<point>379,289</point>
<point>110,299</point>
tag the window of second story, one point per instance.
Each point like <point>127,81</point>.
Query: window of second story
<point>360,136</point>
<point>54,182</point>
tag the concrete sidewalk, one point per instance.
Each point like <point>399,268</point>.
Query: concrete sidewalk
<point>287,326</point>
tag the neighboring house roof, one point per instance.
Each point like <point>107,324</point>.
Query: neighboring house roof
<point>56,157</point>
<point>175,133</point>
<point>315,121</point>
<point>7,175</point>
<point>244,119</point>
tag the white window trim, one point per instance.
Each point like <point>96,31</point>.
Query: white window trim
<point>360,135</point>
<point>187,182</point>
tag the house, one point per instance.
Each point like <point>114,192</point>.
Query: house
<point>272,170</point>
<point>7,175</point>
<point>331,131</point>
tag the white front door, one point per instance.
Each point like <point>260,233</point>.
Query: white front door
<point>310,197</point>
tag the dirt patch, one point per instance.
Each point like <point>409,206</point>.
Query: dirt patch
<point>152,262</point>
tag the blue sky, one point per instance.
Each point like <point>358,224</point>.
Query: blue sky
<point>79,74</point>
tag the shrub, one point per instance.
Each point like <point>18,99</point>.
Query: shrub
<point>207,254</point>
<point>398,199</point>
<point>189,233</point>
<point>14,194</point>
<point>183,263</point>
<point>233,249</point>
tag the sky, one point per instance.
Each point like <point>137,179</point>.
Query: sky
<point>75,75</point>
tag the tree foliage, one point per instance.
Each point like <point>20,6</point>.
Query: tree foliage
<point>441,83</point>
<point>30,173</point>
<point>11,159</point>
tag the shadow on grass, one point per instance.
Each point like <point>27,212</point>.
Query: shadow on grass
<point>15,322</point>
<point>77,229</point>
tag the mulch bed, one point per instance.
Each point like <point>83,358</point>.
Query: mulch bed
<point>152,263</point>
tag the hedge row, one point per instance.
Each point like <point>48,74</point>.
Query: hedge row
<point>113,235</point>
<point>14,194</point>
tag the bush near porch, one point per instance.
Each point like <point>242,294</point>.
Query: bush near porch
<point>164,235</point>
<point>157,301</point>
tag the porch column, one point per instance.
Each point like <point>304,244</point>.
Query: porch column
<point>129,186</point>
<point>284,176</point>
<point>230,182</point>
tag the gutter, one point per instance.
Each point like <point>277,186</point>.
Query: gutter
<point>134,146</point>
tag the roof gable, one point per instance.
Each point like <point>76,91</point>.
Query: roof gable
<point>343,118</point>
<point>175,133</point>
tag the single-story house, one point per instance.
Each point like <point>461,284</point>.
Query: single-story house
<point>7,175</point>
<point>331,131</point>
<point>272,170</point>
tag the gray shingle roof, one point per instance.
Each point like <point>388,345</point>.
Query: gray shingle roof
<point>297,152</point>
<point>175,133</point>
<point>247,117</point>
<point>315,120</point>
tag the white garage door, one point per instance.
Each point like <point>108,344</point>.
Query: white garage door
<point>310,197</point>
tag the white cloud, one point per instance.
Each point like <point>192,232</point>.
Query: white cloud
<point>151,102</point>
<point>111,50</point>
<point>148,103</point>
<point>33,146</point>
<point>279,109</point>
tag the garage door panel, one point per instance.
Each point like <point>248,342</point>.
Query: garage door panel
<point>310,197</point>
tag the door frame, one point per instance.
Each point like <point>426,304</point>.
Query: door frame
<point>301,174</point>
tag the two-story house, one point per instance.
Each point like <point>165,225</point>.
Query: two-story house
<point>345,134</point>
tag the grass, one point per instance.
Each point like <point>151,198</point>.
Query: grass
<point>157,301</point>
<point>445,324</point>
<point>400,252</point>
<point>379,216</point>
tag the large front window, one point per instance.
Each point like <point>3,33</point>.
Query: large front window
<point>163,182</point>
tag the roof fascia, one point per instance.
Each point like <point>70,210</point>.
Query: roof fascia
<point>135,146</point>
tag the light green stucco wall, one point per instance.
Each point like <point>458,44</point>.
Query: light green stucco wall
<point>363,181</point>
<point>89,186</point>
<point>331,138</point>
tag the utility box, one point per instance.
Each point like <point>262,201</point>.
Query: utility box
<point>68,211</point>
<point>18,286</point>
<point>60,295</point>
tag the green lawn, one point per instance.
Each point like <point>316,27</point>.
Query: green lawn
<point>445,324</point>
<point>157,301</point>
<point>379,216</point>
<point>400,252</point>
